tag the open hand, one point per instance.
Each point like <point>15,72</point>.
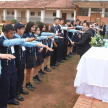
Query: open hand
<point>58,34</point>
<point>50,37</point>
<point>30,39</point>
<point>50,49</point>
<point>61,37</point>
<point>7,56</point>
<point>40,49</point>
<point>72,43</point>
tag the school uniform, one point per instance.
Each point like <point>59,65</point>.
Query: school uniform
<point>40,57</point>
<point>20,53</point>
<point>30,53</point>
<point>65,44</point>
<point>61,44</point>
<point>54,57</point>
<point>8,72</point>
<point>20,66</point>
<point>75,39</point>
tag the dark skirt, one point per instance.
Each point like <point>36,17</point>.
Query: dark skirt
<point>44,52</point>
<point>70,45</point>
<point>49,53</point>
<point>30,61</point>
<point>40,59</point>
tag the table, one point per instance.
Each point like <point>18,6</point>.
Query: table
<point>92,74</point>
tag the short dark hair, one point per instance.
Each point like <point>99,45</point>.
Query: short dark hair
<point>28,27</point>
<point>87,24</point>
<point>56,18</point>
<point>77,20</point>
<point>8,27</point>
<point>85,21</point>
<point>80,22</point>
<point>61,19</point>
<point>19,28</point>
<point>72,22</point>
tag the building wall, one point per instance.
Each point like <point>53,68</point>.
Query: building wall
<point>49,18</point>
<point>104,19</point>
<point>69,14</point>
<point>82,18</point>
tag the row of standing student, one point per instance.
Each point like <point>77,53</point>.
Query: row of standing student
<point>34,57</point>
<point>10,88</point>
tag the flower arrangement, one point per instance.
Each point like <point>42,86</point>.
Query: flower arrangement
<point>97,41</point>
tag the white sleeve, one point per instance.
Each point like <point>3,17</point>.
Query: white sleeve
<point>63,28</point>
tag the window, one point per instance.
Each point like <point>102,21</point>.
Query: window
<point>96,10</point>
<point>54,14</point>
<point>32,13</point>
<point>72,15</point>
<point>39,13</point>
<point>83,11</point>
<point>12,13</point>
<point>7,12</point>
<point>106,12</point>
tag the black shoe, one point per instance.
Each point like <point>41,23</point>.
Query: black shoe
<point>47,69</point>
<point>73,53</point>
<point>20,98</point>
<point>53,67</point>
<point>40,74</point>
<point>70,55</point>
<point>32,86</point>
<point>36,81</point>
<point>15,103</point>
<point>44,72</point>
<point>29,87</point>
<point>62,61</point>
<point>39,79</point>
<point>56,65</point>
<point>24,92</point>
<point>67,58</point>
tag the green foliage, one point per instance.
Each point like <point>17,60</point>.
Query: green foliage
<point>38,22</point>
<point>97,41</point>
<point>13,21</point>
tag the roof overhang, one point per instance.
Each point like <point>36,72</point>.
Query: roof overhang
<point>89,0</point>
<point>91,3</point>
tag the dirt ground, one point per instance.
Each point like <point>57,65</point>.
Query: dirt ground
<point>56,91</point>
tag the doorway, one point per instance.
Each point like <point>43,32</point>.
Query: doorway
<point>22,16</point>
<point>64,16</point>
<point>95,17</point>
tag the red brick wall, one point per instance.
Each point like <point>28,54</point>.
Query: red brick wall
<point>82,18</point>
<point>104,19</point>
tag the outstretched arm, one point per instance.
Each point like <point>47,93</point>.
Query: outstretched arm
<point>16,41</point>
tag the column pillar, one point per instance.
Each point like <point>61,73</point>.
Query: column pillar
<point>42,15</point>
<point>103,12</point>
<point>74,15</point>
<point>58,13</point>
<point>89,12</point>
<point>4,14</point>
<point>27,15</point>
<point>15,14</point>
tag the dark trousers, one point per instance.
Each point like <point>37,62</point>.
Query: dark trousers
<point>20,77</point>
<point>65,49</point>
<point>7,87</point>
<point>54,56</point>
<point>60,50</point>
<point>75,39</point>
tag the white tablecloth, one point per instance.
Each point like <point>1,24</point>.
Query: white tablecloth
<point>92,74</point>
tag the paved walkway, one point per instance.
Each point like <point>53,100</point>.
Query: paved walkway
<point>85,102</point>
